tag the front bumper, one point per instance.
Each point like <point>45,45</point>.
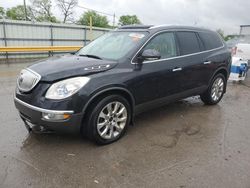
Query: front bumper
<point>33,118</point>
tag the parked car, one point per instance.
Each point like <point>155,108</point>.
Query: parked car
<point>98,90</point>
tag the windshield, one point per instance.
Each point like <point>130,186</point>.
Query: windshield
<point>113,45</point>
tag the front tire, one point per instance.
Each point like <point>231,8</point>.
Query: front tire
<point>215,91</point>
<point>108,119</point>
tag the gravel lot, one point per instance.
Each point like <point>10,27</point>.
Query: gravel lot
<point>184,144</point>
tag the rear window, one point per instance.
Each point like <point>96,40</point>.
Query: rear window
<point>210,40</point>
<point>188,42</point>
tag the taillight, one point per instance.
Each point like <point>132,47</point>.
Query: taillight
<point>234,50</point>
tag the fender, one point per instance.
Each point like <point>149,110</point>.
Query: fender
<point>220,69</point>
<point>216,72</point>
<point>116,88</point>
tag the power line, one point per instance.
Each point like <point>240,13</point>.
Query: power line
<point>108,14</point>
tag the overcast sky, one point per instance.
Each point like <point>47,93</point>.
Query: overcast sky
<point>214,14</point>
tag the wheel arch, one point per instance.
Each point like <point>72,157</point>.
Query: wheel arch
<point>221,70</point>
<point>110,91</point>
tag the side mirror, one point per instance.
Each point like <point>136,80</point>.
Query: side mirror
<point>149,55</point>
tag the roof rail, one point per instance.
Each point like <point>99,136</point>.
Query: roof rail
<point>135,27</point>
<point>163,25</point>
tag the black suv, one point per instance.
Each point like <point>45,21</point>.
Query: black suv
<point>98,90</point>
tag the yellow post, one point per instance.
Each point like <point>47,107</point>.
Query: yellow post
<point>90,28</point>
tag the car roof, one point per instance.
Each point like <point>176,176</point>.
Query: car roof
<point>157,28</point>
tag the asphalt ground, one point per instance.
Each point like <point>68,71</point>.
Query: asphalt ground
<point>184,144</point>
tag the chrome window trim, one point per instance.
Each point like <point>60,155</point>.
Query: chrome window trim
<point>42,109</point>
<point>170,58</point>
<point>38,79</point>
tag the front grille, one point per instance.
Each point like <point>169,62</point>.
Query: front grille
<point>27,80</point>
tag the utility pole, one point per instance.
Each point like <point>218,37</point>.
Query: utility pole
<point>91,28</point>
<point>25,9</point>
<point>114,21</point>
<point>104,13</point>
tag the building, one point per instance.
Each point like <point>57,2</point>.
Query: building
<point>245,30</point>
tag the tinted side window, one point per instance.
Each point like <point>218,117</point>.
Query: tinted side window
<point>188,42</point>
<point>210,40</point>
<point>163,43</point>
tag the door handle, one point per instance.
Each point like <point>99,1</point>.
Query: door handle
<point>177,69</point>
<point>207,62</point>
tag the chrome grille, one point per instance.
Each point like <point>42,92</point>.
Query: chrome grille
<point>27,80</point>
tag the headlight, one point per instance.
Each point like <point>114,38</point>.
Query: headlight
<point>66,88</point>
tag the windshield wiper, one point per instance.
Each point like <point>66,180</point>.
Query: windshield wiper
<point>90,56</point>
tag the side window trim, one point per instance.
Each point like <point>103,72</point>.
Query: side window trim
<point>201,43</point>
<point>180,56</point>
<point>177,44</point>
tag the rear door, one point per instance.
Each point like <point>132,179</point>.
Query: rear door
<point>191,60</point>
<point>214,54</point>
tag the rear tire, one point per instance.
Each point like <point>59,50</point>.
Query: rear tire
<point>108,119</point>
<point>215,91</point>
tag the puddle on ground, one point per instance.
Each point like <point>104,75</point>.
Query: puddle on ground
<point>170,141</point>
<point>168,136</point>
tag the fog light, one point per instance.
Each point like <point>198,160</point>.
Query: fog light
<point>55,117</point>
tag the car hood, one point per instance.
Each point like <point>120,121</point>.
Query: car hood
<point>61,67</point>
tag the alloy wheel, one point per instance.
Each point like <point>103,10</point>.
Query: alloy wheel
<point>217,89</point>
<point>112,120</point>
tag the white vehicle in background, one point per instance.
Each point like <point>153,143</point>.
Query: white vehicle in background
<point>241,50</point>
<point>240,60</point>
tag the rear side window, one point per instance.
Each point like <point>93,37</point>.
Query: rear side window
<point>210,40</point>
<point>188,42</point>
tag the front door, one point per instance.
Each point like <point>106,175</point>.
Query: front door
<point>158,79</point>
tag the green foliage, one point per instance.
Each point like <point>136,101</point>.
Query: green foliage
<point>18,13</point>
<point>46,18</point>
<point>97,19</point>
<point>129,20</point>
<point>229,37</point>
<point>42,11</point>
<point>2,13</point>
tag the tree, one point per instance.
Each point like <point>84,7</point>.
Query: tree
<point>43,10</point>
<point>2,13</point>
<point>232,36</point>
<point>67,7</point>
<point>18,13</point>
<point>129,20</point>
<point>221,32</point>
<point>97,19</point>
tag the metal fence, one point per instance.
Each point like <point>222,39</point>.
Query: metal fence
<point>26,33</point>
